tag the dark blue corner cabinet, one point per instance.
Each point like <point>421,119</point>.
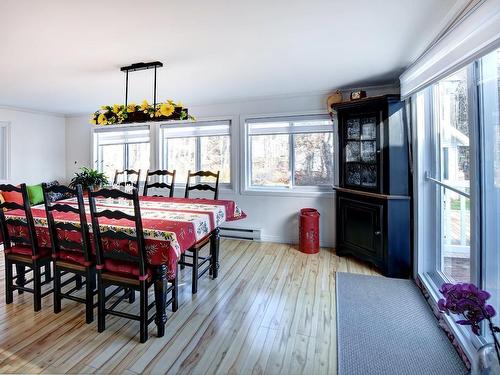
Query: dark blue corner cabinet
<point>373,196</point>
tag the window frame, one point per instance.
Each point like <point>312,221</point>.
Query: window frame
<point>427,224</point>
<point>6,126</point>
<point>96,150</point>
<point>300,191</point>
<point>206,121</point>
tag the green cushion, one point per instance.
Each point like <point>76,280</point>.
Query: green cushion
<point>35,193</point>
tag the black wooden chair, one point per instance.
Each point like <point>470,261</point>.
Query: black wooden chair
<point>128,271</point>
<point>204,186</point>
<point>160,185</point>
<point>71,249</point>
<point>194,252</point>
<point>21,250</point>
<point>127,177</point>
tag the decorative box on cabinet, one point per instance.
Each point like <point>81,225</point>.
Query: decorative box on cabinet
<point>373,202</point>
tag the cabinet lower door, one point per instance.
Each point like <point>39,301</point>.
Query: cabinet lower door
<point>360,229</point>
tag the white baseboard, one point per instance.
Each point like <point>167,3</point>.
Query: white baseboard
<point>292,241</point>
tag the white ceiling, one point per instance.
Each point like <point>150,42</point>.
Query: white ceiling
<point>64,56</point>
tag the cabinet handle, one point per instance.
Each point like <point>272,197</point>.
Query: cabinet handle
<point>378,151</point>
<point>377,233</point>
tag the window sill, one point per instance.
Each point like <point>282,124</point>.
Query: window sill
<point>289,193</point>
<point>461,335</point>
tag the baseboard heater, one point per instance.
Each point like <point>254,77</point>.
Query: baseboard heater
<point>241,233</point>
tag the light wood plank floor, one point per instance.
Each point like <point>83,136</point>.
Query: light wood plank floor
<point>272,310</point>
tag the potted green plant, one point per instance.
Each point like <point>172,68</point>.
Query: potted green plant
<point>89,178</point>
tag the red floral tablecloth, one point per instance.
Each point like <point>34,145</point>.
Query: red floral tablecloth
<point>171,225</point>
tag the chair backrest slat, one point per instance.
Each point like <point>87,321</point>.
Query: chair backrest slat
<point>77,225</point>
<point>160,185</point>
<point>11,206</point>
<point>204,186</point>
<point>16,222</point>
<point>26,239</point>
<point>127,180</point>
<point>63,208</point>
<point>103,253</point>
<point>66,226</point>
<point>114,214</point>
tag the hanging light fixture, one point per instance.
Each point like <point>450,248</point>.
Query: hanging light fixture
<point>131,112</point>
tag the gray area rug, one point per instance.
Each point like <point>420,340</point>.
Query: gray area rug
<point>384,326</point>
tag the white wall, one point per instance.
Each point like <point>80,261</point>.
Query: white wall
<point>276,216</point>
<point>37,146</point>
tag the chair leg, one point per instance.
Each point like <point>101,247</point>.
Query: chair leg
<point>194,286</point>
<point>9,291</point>
<point>48,273</point>
<point>214,252</point>
<point>79,282</point>
<point>160,299</point>
<point>183,259</point>
<point>20,277</point>
<point>131,295</point>
<point>101,304</point>
<point>57,289</point>
<point>89,296</point>
<point>143,312</point>
<point>37,286</point>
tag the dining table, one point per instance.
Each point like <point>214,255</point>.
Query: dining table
<point>170,225</point>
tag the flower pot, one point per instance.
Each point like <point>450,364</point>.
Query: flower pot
<point>486,361</point>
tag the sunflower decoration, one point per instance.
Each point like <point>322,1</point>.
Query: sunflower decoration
<point>93,118</point>
<point>144,106</point>
<point>166,109</point>
<point>102,119</point>
<point>119,113</point>
<point>132,107</point>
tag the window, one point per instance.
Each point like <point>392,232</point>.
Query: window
<point>204,145</point>
<point>4,155</point>
<point>458,168</point>
<point>289,152</point>
<point>452,125</point>
<point>122,148</point>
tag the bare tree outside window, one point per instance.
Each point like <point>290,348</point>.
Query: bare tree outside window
<point>295,152</point>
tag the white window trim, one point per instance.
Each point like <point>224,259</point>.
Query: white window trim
<point>224,188</point>
<point>94,147</point>
<point>247,189</point>
<point>156,147</point>
<point>7,126</point>
<point>426,225</point>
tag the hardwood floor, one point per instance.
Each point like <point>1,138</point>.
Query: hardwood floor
<point>272,310</point>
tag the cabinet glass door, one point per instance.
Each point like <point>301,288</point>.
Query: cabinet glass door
<point>360,152</point>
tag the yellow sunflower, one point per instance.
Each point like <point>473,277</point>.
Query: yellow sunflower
<point>102,120</point>
<point>144,106</point>
<point>131,107</point>
<point>116,108</point>
<point>166,109</point>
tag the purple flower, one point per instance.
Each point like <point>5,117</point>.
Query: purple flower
<point>467,300</point>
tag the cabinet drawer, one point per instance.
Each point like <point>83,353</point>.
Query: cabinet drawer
<point>361,228</point>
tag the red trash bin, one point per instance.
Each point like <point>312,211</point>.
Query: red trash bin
<point>309,231</point>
